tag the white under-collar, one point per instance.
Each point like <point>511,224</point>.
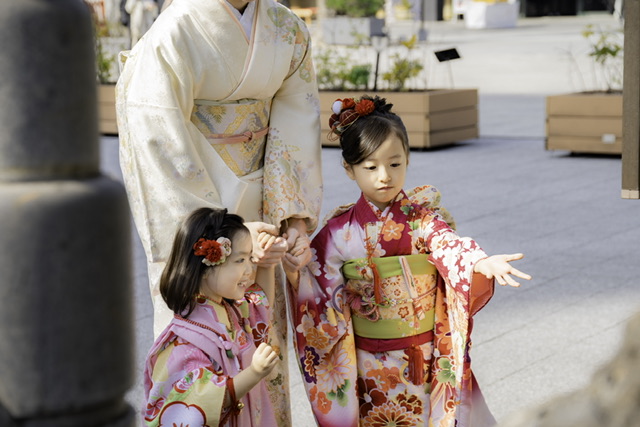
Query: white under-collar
<point>246,17</point>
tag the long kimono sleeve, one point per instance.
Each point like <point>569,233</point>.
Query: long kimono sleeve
<point>184,388</point>
<point>461,293</point>
<point>324,336</point>
<point>162,154</point>
<point>292,178</point>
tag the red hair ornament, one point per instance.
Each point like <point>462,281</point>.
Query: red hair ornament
<point>345,112</point>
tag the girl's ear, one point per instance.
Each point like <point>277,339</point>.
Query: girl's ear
<point>349,170</point>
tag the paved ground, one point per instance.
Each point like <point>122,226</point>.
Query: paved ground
<point>562,210</point>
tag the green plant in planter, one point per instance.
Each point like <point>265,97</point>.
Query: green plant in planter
<point>607,50</point>
<point>355,8</point>
<point>336,71</point>
<point>403,67</point>
<point>104,60</point>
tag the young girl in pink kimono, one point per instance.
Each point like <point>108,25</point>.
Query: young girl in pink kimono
<point>206,367</point>
<point>383,312</point>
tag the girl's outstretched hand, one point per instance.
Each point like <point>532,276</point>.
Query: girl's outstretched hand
<point>264,360</point>
<point>498,266</point>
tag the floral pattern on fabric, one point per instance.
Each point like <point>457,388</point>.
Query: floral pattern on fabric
<point>218,120</point>
<point>349,386</point>
<point>196,54</point>
<point>189,364</point>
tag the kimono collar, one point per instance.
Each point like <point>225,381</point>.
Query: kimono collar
<point>367,212</point>
<point>388,229</point>
<point>246,18</point>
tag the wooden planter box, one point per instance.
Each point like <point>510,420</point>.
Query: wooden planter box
<point>585,122</point>
<point>107,109</point>
<point>433,118</point>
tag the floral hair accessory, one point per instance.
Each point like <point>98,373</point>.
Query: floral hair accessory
<point>215,252</point>
<point>346,112</point>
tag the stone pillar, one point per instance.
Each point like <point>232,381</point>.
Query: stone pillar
<point>66,352</point>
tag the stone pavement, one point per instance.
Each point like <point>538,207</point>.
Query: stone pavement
<point>562,210</point>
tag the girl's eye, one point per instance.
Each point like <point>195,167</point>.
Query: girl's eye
<point>370,168</point>
<point>240,260</point>
<point>395,165</point>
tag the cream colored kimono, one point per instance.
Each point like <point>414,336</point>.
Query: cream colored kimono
<point>193,84</point>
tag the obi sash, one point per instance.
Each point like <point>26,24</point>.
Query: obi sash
<point>237,130</point>
<point>396,327</point>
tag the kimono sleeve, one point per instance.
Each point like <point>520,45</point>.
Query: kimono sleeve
<point>292,170</point>
<point>258,311</point>
<point>162,154</point>
<point>186,388</point>
<point>324,336</point>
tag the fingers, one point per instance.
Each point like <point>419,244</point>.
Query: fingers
<point>266,353</point>
<point>507,280</point>
<point>262,347</point>
<point>267,228</point>
<point>272,255</point>
<point>265,240</point>
<point>520,274</point>
<point>512,257</point>
<point>292,236</point>
<point>290,262</point>
<point>504,278</point>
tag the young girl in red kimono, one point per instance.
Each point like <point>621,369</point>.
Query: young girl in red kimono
<point>383,312</point>
<point>206,368</point>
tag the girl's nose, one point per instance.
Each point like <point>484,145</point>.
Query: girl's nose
<point>384,175</point>
<point>248,269</point>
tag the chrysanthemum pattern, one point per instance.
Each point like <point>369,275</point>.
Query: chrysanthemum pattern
<point>380,391</point>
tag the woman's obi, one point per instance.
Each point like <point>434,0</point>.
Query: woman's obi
<point>237,130</point>
<point>405,314</point>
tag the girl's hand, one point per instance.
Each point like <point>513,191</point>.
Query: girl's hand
<point>264,360</point>
<point>258,230</point>
<point>265,240</point>
<point>268,249</point>
<point>273,254</point>
<point>300,253</point>
<point>498,266</point>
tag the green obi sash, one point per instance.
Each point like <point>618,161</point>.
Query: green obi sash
<point>388,267</point>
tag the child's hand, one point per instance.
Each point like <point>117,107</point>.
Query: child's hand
<point>299,254</point>
<point>264,360</point>
<point>268,248</point>
<point>266,253</point>
<point>265,240</point>
<point>498,266</point>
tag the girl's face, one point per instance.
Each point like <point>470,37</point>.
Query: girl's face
<point>231,278</point>
<point>381,176</point>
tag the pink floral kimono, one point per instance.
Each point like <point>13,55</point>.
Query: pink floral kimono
<point>383,317</point>
<point>189,364</point>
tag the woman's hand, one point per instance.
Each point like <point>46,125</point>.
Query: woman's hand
<point>498,266</point>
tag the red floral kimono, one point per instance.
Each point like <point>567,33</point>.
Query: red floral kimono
<point>383,317</point>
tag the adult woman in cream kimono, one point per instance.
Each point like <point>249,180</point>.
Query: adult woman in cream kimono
<point>219,108</point>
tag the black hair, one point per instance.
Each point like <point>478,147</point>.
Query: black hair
<point>182,275</point>
<point>364,136</point>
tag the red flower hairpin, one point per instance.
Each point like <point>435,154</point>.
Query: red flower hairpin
<point>215,252</point>
<point>345,112</point>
